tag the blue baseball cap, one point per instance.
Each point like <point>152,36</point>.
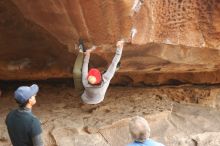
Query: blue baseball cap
<point>23,93</point>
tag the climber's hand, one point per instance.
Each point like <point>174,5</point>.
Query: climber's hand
<point>120,44</point>
<point>90,50</point>
<point>93,48</point>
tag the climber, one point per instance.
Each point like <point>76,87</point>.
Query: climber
<point>94,82</point>
<point>77,70</point>
<point>23,127</point>
<point>140,133</point>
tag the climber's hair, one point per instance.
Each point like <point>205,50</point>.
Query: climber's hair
<point>139,129</point>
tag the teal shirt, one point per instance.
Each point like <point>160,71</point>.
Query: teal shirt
<point>22,127</point>
<point>148,142</point>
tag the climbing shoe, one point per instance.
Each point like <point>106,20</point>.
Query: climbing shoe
<point>81,45</point>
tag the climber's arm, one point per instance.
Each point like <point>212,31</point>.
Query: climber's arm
<point>112,68</point>
<point>86,65</point>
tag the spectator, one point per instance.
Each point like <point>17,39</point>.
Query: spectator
<point>23,127</point>
<point>140,133</point>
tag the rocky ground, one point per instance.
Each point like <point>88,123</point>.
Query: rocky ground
<point>179,116</point>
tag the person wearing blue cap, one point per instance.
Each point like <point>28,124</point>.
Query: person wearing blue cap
<point>23,127</point>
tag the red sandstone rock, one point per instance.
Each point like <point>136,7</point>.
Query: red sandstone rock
<point>38,39</point>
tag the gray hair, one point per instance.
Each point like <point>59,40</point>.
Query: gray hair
<point>139,129</point>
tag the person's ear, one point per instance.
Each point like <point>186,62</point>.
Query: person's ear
<point>29,101</point>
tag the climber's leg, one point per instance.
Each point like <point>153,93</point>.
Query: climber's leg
<point>77,69</point>
<point>77,72</point>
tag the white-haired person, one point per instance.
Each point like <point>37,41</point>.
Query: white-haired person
<point>140,133</point>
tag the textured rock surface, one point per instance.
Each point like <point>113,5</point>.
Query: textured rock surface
<point>38,39</point>
<point>66,122</point>
<point>187,22</point>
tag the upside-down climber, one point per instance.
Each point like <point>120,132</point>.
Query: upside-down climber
<point>94,82</point>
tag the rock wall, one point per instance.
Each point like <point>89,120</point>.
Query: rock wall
<point>188,22</point>
<point>176,41</point>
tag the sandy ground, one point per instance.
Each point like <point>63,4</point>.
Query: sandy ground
<point>178,116</point>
